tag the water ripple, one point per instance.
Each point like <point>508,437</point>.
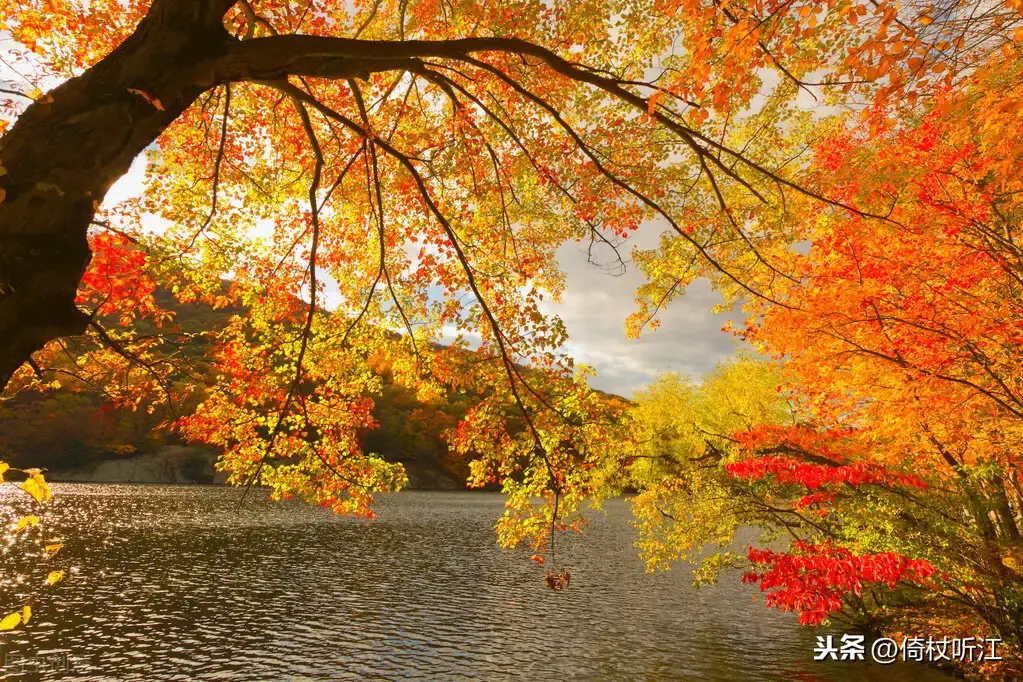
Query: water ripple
<point>189,583</point>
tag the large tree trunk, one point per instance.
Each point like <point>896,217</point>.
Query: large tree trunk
<point>67,149</point>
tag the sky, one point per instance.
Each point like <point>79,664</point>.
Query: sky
<point>595,305</point>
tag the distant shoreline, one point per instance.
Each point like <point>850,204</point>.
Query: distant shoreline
<point>182,465</point>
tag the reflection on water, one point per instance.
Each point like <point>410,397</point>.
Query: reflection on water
<point>185,583</point>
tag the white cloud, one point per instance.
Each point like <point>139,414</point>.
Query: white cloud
<point>594,307</point>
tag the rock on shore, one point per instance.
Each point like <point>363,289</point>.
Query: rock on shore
<point>182,464</point>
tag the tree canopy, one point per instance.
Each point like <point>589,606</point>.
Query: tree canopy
<point>843,170</point>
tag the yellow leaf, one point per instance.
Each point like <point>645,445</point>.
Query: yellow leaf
<point>32,488</point>
<point>49,186</point>
<point>26,613</point>
<point>37,476</point>
<point>10,622</point>
<point>50,550</point>
<point>926,20</point>
<point>36,486</point>
<point>55,577</point>
<point>1018,35</point>
<point>26,521</point>
<point>4,466</point>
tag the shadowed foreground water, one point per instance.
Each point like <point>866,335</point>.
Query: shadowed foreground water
<point>185,583</point>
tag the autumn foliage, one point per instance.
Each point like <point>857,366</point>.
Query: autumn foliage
<point>897,335</point>
<point>814,579</point>
<point>393,180</point>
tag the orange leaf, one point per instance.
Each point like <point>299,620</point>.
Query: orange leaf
<point>149,98</point>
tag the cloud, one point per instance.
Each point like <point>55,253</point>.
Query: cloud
<point>594,307</point>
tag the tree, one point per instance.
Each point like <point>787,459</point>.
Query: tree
<point>683,434</point>
<point>915,345</point>
<point>899,344</point>
<point>429,157</point>
<point>27,533</point>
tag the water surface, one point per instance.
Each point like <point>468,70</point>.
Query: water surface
<point>186,583</point>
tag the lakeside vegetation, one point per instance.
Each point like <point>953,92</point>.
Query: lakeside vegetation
<point>65,426</point>
<point>847,174</point>
<point>73,425</point>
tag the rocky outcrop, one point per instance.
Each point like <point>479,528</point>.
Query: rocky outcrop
<point>169,464</point>
<point>180,464</point>
<point>426,478</point>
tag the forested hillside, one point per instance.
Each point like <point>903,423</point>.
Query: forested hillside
<point>73,423</point>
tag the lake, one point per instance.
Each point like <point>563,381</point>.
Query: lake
<point>193,583</point>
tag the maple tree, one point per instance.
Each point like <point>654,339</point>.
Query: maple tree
<point>688,505</point>
<point>429,157</point>
<point>915,347</point>
<point>898,339</point>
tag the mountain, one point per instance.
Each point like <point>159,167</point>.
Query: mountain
<point>81,436</point>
